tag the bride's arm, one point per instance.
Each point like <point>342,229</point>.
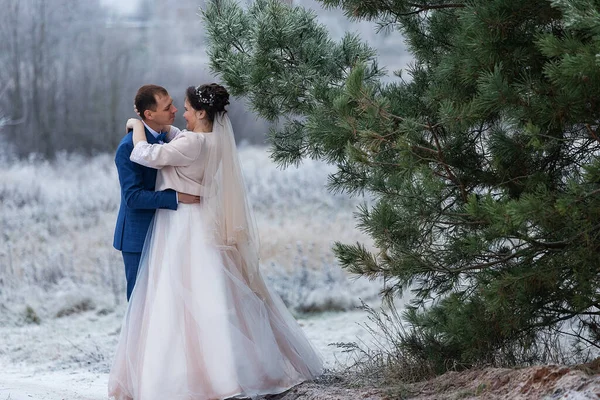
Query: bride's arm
<point>182,151</point>
<point>172,132</point>
<point>139,135</point>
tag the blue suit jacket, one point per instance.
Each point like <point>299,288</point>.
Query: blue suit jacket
<point>139,201</point>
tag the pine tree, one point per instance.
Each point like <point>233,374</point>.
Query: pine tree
<point>483,164</point>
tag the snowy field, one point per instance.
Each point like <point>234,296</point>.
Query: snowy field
<point>69,358</point>
<point>57,221</point>
<point>62,284</point>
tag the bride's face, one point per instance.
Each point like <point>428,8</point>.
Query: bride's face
<point>190,115</point>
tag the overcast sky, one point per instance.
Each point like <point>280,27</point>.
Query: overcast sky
<point>125,6</point>
<point>391,49</point>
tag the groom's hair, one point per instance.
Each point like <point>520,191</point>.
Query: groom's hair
<point>145,98</point>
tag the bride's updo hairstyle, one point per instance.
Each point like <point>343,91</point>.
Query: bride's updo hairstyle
<point>211,98</point>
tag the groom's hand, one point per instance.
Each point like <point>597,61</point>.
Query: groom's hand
<point>187,198</point>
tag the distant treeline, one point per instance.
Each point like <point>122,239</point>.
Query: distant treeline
<point>69,71</point>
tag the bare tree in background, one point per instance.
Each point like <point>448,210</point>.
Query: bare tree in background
<point>69,70</point>
<point>56,92</point>
<point>10,57</point>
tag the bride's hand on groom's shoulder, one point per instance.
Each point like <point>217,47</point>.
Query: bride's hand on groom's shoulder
<point>129,126</point>
<point>131,123</point>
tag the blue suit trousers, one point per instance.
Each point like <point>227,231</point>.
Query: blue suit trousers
<point>132,263</point>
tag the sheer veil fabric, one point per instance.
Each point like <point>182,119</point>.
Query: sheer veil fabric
<point>202,324</point>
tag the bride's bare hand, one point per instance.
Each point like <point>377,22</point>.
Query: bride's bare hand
<point>131,123</point>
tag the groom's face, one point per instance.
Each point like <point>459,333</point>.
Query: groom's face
<point>165,111</point>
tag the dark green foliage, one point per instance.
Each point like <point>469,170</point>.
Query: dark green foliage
<point>31,316</point>
<point>483,166</point>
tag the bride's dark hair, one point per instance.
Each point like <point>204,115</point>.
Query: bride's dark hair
<point>210,97</point>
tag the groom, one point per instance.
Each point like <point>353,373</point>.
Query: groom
<point>139,201</point>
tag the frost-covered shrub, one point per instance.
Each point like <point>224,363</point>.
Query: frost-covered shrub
<point>57,220</point>
<point>304,288</point>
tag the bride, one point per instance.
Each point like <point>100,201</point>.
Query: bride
<point>201,323</point>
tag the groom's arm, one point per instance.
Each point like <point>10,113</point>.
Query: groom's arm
<point>133,191</point>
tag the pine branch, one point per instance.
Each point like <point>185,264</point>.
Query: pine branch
<point>579,336</point>
<point>446,167</point>
<point>563,243</point>
<point>592,133</point>
<point>428,7</point>
<point>490,206</point>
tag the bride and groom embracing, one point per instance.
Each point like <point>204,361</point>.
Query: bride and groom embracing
<point>201,323</point>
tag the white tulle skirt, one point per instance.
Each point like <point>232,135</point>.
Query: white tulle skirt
<point>196,330</point>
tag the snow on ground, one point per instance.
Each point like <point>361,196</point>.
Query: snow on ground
<point>69,357</point>
<point>56,258</point>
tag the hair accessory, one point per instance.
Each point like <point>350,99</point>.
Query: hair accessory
<point>205,96</point>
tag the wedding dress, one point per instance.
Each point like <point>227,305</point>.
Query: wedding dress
<point>201,323</point>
